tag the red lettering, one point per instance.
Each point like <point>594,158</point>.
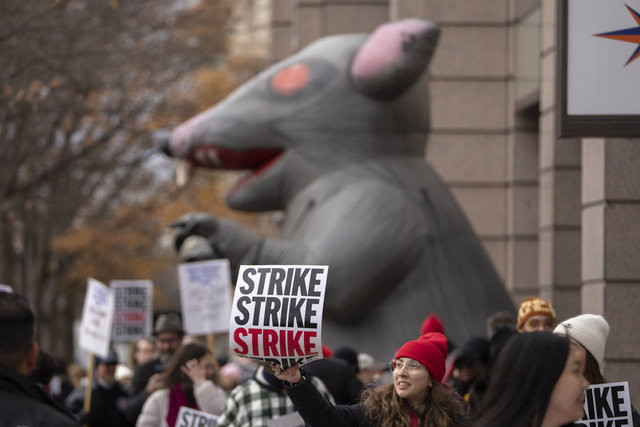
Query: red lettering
<point>255,334</point>
<point>308,345</point>
<point>270,340</point>
<point>133,317</point>
<point>293,343</point>
<point>283,342</point>
<point>238,340</point>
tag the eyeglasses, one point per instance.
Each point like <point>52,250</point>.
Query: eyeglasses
<point>399,364</point>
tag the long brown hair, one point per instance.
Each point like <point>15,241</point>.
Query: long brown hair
<point>441,407</point>
<point>173,372</point>
<point>592,370</point>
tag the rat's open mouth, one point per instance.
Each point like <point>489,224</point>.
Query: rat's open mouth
<point>213,157</point>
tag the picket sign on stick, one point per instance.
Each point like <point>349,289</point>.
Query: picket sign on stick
<point>211,342</point>
<point>97,318</point>
<point>87,390</point>
<point>95,327</point>
<point>276,315</point>
<point>205,296</point>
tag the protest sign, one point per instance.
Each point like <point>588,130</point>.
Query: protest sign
<point>276,315</point>
<point>133,309</point>
<point>97,317</point>
<point>205,296</point>
<point>189,417</point>
<point>607,405</point>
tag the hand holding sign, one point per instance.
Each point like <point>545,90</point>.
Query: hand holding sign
<point>291,374</point>
<point>277,313</point>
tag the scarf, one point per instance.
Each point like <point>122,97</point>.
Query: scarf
<point>177,399</point>
<point>415,419</point>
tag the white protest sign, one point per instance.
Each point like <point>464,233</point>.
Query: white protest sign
<point>205,296</point>
<point>97,317</point>
<point>607,405</point>
<point>189,417</point>
<point>276,314</point>
<point>133,309</point>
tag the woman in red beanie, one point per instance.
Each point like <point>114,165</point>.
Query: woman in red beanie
<point>416,397</point>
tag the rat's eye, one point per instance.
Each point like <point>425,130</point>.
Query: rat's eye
<point>291,79</point>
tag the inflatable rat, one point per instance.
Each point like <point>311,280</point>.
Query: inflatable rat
<point>335,137</point>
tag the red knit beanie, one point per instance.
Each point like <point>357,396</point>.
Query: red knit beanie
<point>430,350</point>
<point>431,324</point>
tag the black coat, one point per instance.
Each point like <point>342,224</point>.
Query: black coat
<point>106,408</point>
<point>133,405</point>
<point>317,412</point>
<point>24,403</point>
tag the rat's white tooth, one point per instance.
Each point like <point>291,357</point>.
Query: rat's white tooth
<point>213,157</point>
<point>202,158</point>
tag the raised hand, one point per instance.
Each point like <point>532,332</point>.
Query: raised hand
<point>194,370</point>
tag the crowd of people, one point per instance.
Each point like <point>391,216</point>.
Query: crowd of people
<point>530,370</point>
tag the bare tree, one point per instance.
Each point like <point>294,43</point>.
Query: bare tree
<point>85,85</point>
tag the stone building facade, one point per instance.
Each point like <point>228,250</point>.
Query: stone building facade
<point>560,217</point>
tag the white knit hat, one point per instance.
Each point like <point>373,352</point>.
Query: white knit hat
<point>365,361</point>
<point>590,330</point>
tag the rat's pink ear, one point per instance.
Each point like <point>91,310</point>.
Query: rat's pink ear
<point>394,57</point>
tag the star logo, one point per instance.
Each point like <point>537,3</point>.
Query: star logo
<point>629,35</point>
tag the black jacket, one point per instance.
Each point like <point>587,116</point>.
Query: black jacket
<point>106,407</point>
<point>24,403</point>
<point>132,406</point>
<point>317,412</point>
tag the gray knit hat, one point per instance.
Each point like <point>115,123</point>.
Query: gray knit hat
<point>590,330</point>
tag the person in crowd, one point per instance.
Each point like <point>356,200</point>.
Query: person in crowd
<point>229,376</point>
<point>536,314</point>
<point>60,384</point>
<point>348,354</point>
<point>339,377</point>
<point>538,380</point>
<point>499,320</point>
<point>499,338</point>
<point>590,332</point>
<point>146,378</point>
<point>432,323</point>
<point>262,398</point>
<point>188,380</point>
<point>416,396</point>
<point>144,351</point>
<point>469,365</point>
<point>43,372</point>
<point>77,375</point>
<point>367,369</point>
<point>124,374</point>
<point>22,400</point>
<point>106,394</point>
<point>369,373</point>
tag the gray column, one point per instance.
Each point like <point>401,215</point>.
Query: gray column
<point>611,250</point>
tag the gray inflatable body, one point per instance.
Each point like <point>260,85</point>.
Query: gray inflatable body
<point>335,136</point>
